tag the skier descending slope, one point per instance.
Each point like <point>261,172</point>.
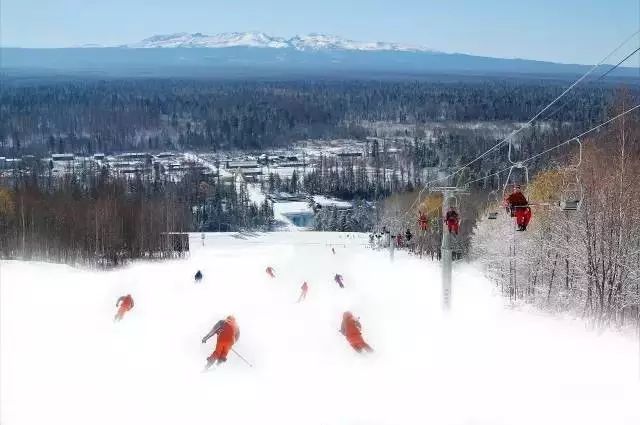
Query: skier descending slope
<point>271,272</point>
<point>338,279</point>
<point>124,304</point>
<point>352,330</point>
<point>228,334</point>
<point>305,289</point>
<point>198,276</point>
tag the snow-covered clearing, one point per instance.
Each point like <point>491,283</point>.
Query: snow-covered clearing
<point>63,360</point>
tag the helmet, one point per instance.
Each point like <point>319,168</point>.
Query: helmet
<point>347,315</point>
<point>230,318</point>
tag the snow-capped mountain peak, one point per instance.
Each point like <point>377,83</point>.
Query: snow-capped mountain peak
<point>230,39</point>
<point>313,41</point>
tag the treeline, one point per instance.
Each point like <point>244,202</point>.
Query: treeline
<point>226,207</point>
<point>372,176</point>
<point>98,219</point>
<point>94,217</point>
<point>148,114</point>
<point>585,261</point>
<point>360,218</point>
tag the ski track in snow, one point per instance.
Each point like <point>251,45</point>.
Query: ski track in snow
<point>63,360</point>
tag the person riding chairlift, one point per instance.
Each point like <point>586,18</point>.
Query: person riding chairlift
<point>518,206</point>
<point>423,221</point>
<point>453,220</point>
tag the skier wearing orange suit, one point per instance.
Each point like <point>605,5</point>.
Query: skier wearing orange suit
<point>305,289</point>
<point>228,334</point>
<point>124,304</point>
<point>352,330</point>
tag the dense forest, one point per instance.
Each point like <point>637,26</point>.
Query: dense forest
<point>93,217</point>
<point>155,114</point>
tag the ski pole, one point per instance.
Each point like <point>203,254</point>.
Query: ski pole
<point>242,358</point>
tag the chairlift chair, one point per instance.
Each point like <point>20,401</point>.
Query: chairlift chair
<point>492,202</point>
<point>572,194</point>
<point>571,197</point>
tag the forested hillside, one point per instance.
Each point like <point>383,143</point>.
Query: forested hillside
<point>116,115</point>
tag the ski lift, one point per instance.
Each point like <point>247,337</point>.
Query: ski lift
<point>571,197</point>
<point>572,193</point>
<point>492,202</point>
<point>453,203</point>
<point>511,177</point>
<point>515,165</point>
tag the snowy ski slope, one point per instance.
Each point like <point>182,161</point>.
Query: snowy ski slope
<point>63,360</point>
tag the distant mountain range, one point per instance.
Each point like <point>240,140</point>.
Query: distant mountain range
<point>256,55</point>
<point>259,39</point>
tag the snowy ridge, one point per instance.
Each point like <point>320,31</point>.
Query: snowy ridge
<point>311,41</point>
<point>231,39</point>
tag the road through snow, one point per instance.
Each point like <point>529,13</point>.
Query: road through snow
<point>63,360</point>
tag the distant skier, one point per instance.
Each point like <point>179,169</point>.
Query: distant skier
<point>399,240</point>
<point>452,220</point>
<point>408,235</point>
<point>352,330</point>
<point>333,250</point>
<point>338,279</point>
<point>124,304</point>
<point>198,276</point>
<point>304,288</point>
<point>228,334</point>
<point>271,272</point>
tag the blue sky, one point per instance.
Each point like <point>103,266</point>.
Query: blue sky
<point>576,31</point>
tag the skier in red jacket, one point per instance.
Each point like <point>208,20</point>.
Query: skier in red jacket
<point>304,288</point>
<point>228,334</point>
<point>124,304</point>
<point>271,272</point>
<point>518,207</point>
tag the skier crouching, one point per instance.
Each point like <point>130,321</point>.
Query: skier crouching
<point>124,304</point>
<point>228,334</point>
<point>352,330</point>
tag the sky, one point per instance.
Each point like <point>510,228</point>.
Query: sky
<point>569,31</point>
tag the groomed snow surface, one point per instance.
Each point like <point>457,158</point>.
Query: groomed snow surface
<point>64,361</point>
